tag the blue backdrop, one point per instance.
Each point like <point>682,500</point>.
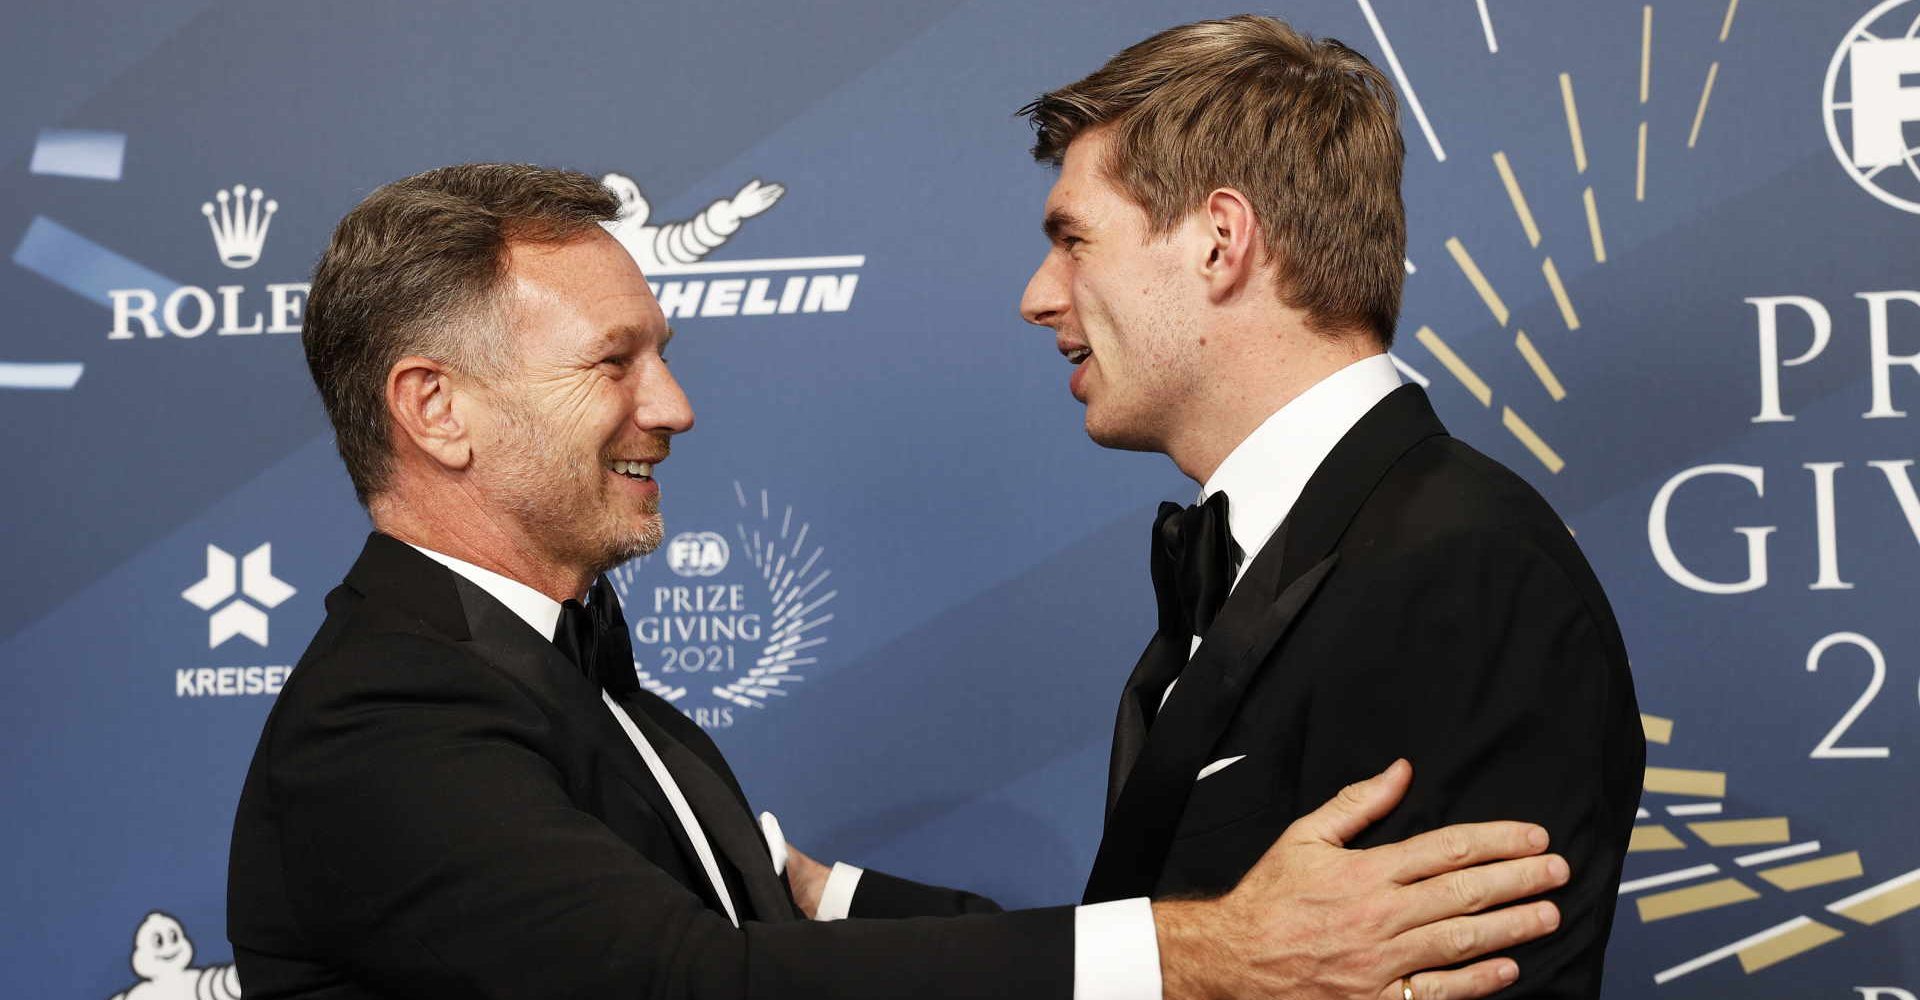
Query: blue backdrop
<point>1660,263</point>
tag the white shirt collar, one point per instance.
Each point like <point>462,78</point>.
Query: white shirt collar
<point>1264,475</point>
<point>540,612</point>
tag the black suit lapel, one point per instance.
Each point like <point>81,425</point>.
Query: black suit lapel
<point>1145,807</point>
<point>716,802</point>
<point>1140,827</point>
<point>1161,662</point>
<point>504,639</point>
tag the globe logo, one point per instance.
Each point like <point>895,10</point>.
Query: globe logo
<point>1879,103</point>
<point>697,553</point>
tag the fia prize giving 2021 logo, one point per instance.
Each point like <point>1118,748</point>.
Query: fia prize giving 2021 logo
<point>728,617</point>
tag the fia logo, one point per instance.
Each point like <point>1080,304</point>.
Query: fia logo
<point>672,256</point>
<point>254,579</point>
<point>1879,55</point>
<point>239,219</point>
<point>698,553</point>
<point>163,957</point>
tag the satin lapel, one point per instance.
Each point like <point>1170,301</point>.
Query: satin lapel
<point>504,639</point>
<point>1350,472</point>
<point>1130,727</point>
<point>1141,825</point>
<point>729,826</point>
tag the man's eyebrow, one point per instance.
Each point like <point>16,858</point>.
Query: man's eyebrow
<point>630,332</point>
<point>1058,221</point>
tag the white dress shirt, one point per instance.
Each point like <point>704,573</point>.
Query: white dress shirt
<point>1116,951</point>
<point>1265,473</point>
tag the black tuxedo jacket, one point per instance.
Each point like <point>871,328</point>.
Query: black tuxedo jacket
<point>442,806</point>
<point>1420,601</point>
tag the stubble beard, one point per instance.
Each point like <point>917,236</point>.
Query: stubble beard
<point>562,503</point>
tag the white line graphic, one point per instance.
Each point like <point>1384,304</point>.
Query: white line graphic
<point>1486,22</point>
<point>1695,965</point>
<point>766,264</point>
<point>40,375</point>
<point>1777,854</point>
<point>1668,878</point>
<point>1393,62</point>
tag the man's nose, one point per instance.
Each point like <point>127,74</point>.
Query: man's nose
<point>665,409</point>
<point>1045,300</point>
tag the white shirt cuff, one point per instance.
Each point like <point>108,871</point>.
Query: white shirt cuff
<point>1116,952</point>
<point>837,898</point>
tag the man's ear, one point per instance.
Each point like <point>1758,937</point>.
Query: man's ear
<point>420,399</point>
<point>1232,242</point>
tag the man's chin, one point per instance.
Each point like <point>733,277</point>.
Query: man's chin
<point>1118,436</point>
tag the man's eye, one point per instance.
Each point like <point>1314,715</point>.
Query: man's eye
<point>617,360</point>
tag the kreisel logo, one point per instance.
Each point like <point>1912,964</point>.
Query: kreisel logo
<point>254,579</point>
<point>673,257</point>
<point>239,219</point>
<point>729,644</point>
<point>163,959</point>
<point>1880,104</point>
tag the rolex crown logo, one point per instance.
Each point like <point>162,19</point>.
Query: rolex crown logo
<point>239,224</point>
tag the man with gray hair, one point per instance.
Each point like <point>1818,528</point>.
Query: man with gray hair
<point>464,792</point>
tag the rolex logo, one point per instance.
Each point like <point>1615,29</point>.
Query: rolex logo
<point>239,224</point>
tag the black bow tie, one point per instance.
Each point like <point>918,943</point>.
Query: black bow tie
<point>1193,561</point>
<point>594,637</point>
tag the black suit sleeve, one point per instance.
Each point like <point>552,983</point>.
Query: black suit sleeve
<point>889,897</point>
<point>1481,661</point>
<point>429,843</point>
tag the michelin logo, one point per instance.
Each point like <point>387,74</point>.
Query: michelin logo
<point>671,255</point>
<point>163,957</point>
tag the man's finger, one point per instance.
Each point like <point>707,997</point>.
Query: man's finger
<point>1357,807</point>
<point>1464,845</point>
<point>1475,980</point>
<point>1452,942</point>
<point>1476,889</point>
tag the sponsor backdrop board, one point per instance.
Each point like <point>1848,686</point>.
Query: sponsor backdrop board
<point>1662,263</point>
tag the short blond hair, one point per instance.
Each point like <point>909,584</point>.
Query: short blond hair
<point>1307,129</point>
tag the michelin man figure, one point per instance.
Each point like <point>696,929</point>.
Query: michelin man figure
<point>162,955</point>
<point>655,247</point>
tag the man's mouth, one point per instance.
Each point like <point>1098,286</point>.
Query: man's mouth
<point>632,470</point>
<point>1076,355</point>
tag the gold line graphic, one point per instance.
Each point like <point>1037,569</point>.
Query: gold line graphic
<point>1518,198</point>
<point>1640,173</point>
<point>1539,366</point>
<point>1701,115</point>
<point>1742,832</point>
<point>1593,226</point>
<point>1658,730</point>
<point>1573,123</point>
<point>1679,781</point>
<point>1466,375</point>
<point>1820,871</point>
<point>1653,838</point>
<point>1888,899</point>
<point>1518,428</point>
<point>1646,51</point>
<point>1693,899</point>
<point>1480,283</point>
<point>1559,294</point>
<point>1732,5</point>
<point>1778,949</point>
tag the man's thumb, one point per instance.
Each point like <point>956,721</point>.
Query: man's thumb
<point>1358,806</point>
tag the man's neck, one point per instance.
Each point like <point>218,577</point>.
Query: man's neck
<point>1244,395</point>
<point>473,535</point>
